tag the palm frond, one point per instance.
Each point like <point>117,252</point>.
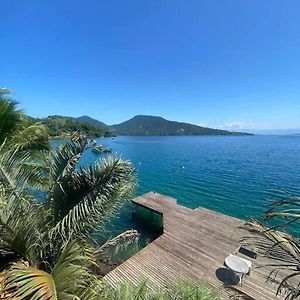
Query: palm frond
<point>69,279</point>
<point>62,166</point>
<point>66,158</point>
<point>72,275</point>
<point>31,138</point>
<point>36,174</point>
<point>286,210</point>
<point>23,282</point>
<point>282,249</point>
<point>127,292</point>
<point>10,117</point>
<point>93,196</point>
<point>19,171</point>
<point>21,228</point>
<point>269,236</point>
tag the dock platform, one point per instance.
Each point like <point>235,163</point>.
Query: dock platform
<point>193,245</point>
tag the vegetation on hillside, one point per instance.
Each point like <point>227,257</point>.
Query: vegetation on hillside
<point>276,243</point>
<point>151,125</point>
<point>91,121</point>
<point>59,126</point>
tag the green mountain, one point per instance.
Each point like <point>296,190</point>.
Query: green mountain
<point>91,121</point>
<point>61,126</point>
<point>152,125</point>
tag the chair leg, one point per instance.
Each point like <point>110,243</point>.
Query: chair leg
<point>242,277</point>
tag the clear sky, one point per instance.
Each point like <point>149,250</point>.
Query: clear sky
<point>219,63</point>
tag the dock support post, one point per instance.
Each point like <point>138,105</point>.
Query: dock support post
<point>133,213</point>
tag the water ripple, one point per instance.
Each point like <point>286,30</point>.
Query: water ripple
<point>233,175</point>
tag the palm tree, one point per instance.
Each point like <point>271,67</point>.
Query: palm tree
<point>10,117</point>
<point>278,245</point>
<point>46,240</point>
<point>17,130</point>
<point>23,144</point>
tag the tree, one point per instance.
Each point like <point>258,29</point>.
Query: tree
<point>17,131</point>
<point>46,239</point>
<point>278,245</point>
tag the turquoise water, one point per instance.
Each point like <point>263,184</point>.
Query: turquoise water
<point>232,175</point>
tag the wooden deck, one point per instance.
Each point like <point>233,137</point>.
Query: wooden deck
<point>193,245</point>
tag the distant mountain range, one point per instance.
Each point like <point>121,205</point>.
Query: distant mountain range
<point>153,125</point>
<point>274,131</point>
<point>138,125</point>
<point>143,125</point>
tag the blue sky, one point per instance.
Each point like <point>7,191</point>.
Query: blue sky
<point>228,64</point>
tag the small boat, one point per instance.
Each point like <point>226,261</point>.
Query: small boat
<point>97,149</point>
<point>101,149</point>
<point>106,150</point>
<point>91,143</point>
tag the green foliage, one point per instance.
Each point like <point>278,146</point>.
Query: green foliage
<point>18,170</point>
<point>10,118</point>
<point>69,278</point>
<point>19,133</point>
<point>81,198</point>
<point>31,138</point>
<point>22,282</point>
<point>190,290</point>
<point>51,234</point>
<point>91,121</point>
<point>59,126</point>
<point>182,290</point>
<point>279,246</point>
<point>285,211</point>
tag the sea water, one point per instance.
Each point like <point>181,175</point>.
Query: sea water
<point>234,175</point>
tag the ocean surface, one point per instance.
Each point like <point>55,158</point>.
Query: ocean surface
<point>236,176</point>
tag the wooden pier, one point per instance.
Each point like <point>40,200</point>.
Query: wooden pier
<point>193,245</point>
